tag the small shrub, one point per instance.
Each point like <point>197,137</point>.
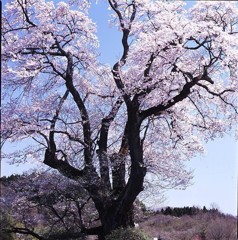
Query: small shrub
<point>220,229</point>
<point>127,234</point>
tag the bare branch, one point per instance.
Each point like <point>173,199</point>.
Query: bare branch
<point>220,95</point>
<point>75,139</point>
<point>125,36</point>
<point>102,143</point>
<point>25,12</point>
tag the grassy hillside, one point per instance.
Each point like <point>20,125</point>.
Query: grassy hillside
<point>200,226</point>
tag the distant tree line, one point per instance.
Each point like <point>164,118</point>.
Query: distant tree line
<point>191,211</point>
<point>8,179</point>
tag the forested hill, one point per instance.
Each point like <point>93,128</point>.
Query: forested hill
<point>189,223</point>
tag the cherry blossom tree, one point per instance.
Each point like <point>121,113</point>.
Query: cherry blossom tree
<point>113,129</point>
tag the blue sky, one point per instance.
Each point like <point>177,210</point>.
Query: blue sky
<point>215,173</point>
<point>215,178</point>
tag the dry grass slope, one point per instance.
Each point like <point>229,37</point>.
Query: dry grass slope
<point>203,226</point>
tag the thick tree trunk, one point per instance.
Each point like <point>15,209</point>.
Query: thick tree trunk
<point>118,173</point>
<point>114,218</point>
<point>117,212</point>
